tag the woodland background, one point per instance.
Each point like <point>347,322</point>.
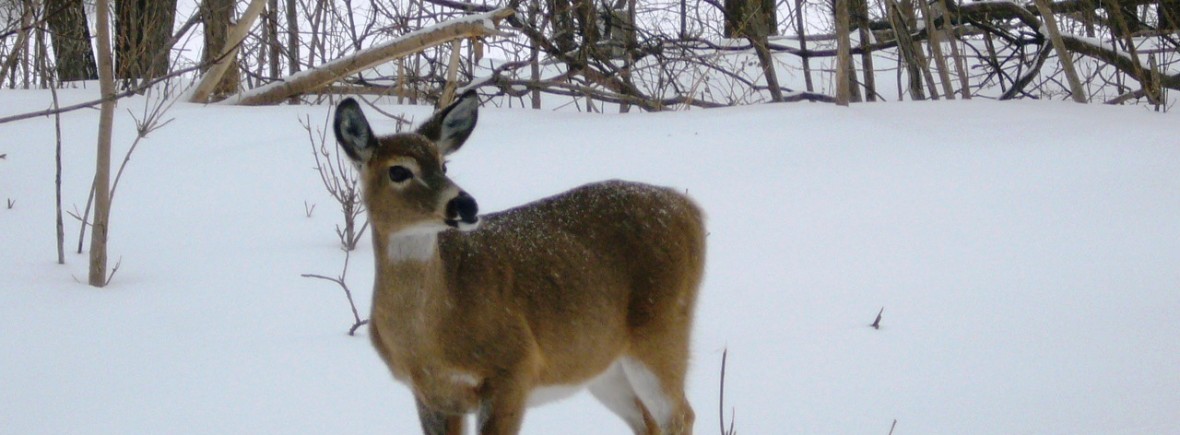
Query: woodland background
<point>622,53</point>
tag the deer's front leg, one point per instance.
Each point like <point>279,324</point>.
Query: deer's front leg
<point>502,409</point>
<point>439,423</point>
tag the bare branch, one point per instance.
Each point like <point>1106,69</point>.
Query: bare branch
<point>90,104</point>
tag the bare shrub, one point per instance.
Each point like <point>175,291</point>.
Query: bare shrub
<point>340,180</point>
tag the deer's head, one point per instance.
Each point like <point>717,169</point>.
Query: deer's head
<point>404,179</point>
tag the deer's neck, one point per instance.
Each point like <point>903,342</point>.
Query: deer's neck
<point>407,260</point>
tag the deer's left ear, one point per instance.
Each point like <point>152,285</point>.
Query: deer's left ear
<point>450,127</point>
<point>353,132</point>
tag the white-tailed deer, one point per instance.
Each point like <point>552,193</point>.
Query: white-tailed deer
<point>594,287</point>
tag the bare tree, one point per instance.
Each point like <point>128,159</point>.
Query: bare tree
<point>102,172</point>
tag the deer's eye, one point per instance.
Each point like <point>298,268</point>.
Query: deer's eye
<point>399,174</point>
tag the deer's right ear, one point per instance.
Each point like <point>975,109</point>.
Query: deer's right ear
<point>353,132</point>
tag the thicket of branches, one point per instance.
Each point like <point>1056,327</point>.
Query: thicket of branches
<point>619,54</point>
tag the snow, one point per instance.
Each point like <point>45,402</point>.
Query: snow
<point>1024,253</point>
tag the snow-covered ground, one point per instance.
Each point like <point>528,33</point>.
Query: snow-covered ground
<point>1026,254</point>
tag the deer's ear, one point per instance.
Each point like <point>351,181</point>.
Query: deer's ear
<point>353,132</point>
<point>450,127</point>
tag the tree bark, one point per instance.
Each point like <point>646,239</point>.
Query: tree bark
<point>742,15</point>
<point>143,29</point>
<point>102,171</point>
<point>217,15</point>
<point>71,40</point>
<point>1168,15</point>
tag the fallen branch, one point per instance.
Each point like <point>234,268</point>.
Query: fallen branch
<point>309,80</point>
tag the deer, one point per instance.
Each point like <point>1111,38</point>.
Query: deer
<point>593,288</point>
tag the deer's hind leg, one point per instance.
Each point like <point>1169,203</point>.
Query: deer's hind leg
<point>614,390</point>
<point>659,385</point>
<point>656,361</point>
<point>655,366</point>
<point>438,423</point>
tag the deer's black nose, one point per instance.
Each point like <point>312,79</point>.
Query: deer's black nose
<point>462,209</point>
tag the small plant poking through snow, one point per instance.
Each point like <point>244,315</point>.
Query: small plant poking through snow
<point>340,180</point>
<point>721,400</point>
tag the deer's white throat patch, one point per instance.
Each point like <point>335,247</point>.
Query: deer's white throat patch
<point>413,244</point>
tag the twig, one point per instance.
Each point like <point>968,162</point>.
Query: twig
<point>11,202</point>
<point>877,323</point>
<point>721,399</point>
<point>894,426</point>
<point>308,210</point>
<point>82,217</point>
<point>111,275</point>
<point>149,123</point>
<point>339,280</point>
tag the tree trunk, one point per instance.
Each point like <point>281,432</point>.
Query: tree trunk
<point>19,50</point>
<point>866,54</point>
<point>71,40</point>
<point>755,15</point>
<point>803,45</point>
<point>143,29</point>
<point>102,171</point>
<point>561,16</point>
<point>1168,14</point>
<point>1125,14</point>
<point>630,44</point>
<point>292,38</point>
<point>534,58</point>
<point>843,53</point>
<point>272,38</point>
<point>216,15</point>
<point>905,44</point>
<point>770,16</point>
<point>956,56</point>
<point>934,40</point>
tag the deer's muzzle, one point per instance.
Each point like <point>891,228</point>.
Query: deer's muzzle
<point>462,212</point>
